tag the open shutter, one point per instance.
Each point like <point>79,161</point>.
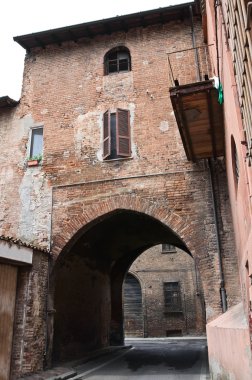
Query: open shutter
<point>123,133</point>
<point>106,135</point>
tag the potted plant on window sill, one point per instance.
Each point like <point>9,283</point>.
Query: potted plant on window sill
<point>34,160</point>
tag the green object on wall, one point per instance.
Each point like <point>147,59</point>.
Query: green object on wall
<point>220,96</point>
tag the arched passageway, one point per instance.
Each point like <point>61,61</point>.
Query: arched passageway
<point>88,276</point>
<point>163,295</point>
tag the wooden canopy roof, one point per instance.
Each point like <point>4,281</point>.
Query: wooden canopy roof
<point>105,26</point>
<point>200,119</point>
<point>6,102</point>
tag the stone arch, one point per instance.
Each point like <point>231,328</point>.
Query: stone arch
<point>69,228</point>
<point>70,225</point>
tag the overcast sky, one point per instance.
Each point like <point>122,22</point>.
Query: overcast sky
<point>18,17</point>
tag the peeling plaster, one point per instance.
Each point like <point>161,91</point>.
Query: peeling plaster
<point>35,197</point>
<point>209,313</point>
<point>164,126</point>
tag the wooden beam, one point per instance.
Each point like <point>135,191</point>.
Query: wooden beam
<point>211,122</point>
<point>185,135</point>
<point>40,43</point>
<point>56,39</point>
<point>72,36</point>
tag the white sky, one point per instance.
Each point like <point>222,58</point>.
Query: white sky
<point>18,17</point>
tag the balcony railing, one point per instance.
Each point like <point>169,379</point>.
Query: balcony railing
<point>194,99</point>
<point>189,66</point>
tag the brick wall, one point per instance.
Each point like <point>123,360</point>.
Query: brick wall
<point>29,343</point>
<point>152,269</point>
<point>54,204</point>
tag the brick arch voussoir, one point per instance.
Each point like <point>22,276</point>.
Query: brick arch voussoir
<point>182,226</point>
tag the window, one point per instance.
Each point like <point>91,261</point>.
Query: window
<point>168,248</point>
<point>116,134</point>
<point>36,147</point>
<point>235,160</point>
<point>117,60</point>
<point>172,297</point>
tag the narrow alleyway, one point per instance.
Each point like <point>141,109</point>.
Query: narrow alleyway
<point>152,358</point>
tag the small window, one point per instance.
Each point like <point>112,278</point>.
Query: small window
<point>235,160</point>
<point>36,147</point>
<point>117,60</point>
<point>116,134</point>
<point>172,297</point>
<point>168,248</point>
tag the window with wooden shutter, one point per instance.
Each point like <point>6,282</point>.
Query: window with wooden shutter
<point>106,135</point>
<point>123,133</point>
<point>116,134</point>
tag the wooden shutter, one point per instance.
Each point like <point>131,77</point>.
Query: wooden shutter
<point>106,135</point>
<point>123,133</point>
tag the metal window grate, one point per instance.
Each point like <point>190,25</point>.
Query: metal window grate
<point>172,297</point>
<point>168,248</point>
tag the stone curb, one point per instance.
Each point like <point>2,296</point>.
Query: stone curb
<point>72,367</point>
<point>64,376</point>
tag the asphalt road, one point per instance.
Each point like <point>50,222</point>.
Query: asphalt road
<point>152,359</point>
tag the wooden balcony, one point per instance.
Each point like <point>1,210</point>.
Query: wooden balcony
<point>200,119</point>
<point>195,103</point>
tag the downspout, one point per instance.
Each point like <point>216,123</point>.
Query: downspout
<point>194,44</point>
<point>222,281</point>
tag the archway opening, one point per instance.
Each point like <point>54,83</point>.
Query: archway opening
<point>163,295</point>
<point>88,278</point>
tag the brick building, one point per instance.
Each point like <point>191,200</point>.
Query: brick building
<point>97,174</point>
<point>163,295</point>
<point>227,28</point>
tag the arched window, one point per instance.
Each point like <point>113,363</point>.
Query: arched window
<point>117,60</point>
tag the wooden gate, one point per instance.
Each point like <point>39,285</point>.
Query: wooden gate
<point>8,284</point>
<point>133,308</point>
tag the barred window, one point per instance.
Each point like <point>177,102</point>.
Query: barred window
<point>172,297</point>
<point>168,248</point>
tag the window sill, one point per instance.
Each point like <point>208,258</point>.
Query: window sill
<point>117,72</point>
<point>167,252</point>
<point>33,163</point>
<point>118,159</point>
<point>173,312</point>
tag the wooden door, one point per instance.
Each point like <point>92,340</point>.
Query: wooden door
<point>133,308</point>
<point>8,284</point>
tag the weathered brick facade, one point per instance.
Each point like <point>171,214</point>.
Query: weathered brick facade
<point>154,268</point>
<point>30,318</point>
<point>97,216</point>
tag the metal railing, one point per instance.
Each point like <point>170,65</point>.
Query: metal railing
<point>189,65</point>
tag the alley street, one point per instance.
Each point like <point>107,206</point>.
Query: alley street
<point>151,359</point>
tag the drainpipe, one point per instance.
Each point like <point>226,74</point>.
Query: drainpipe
<point>194,44</point>
<point>222,281</point>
